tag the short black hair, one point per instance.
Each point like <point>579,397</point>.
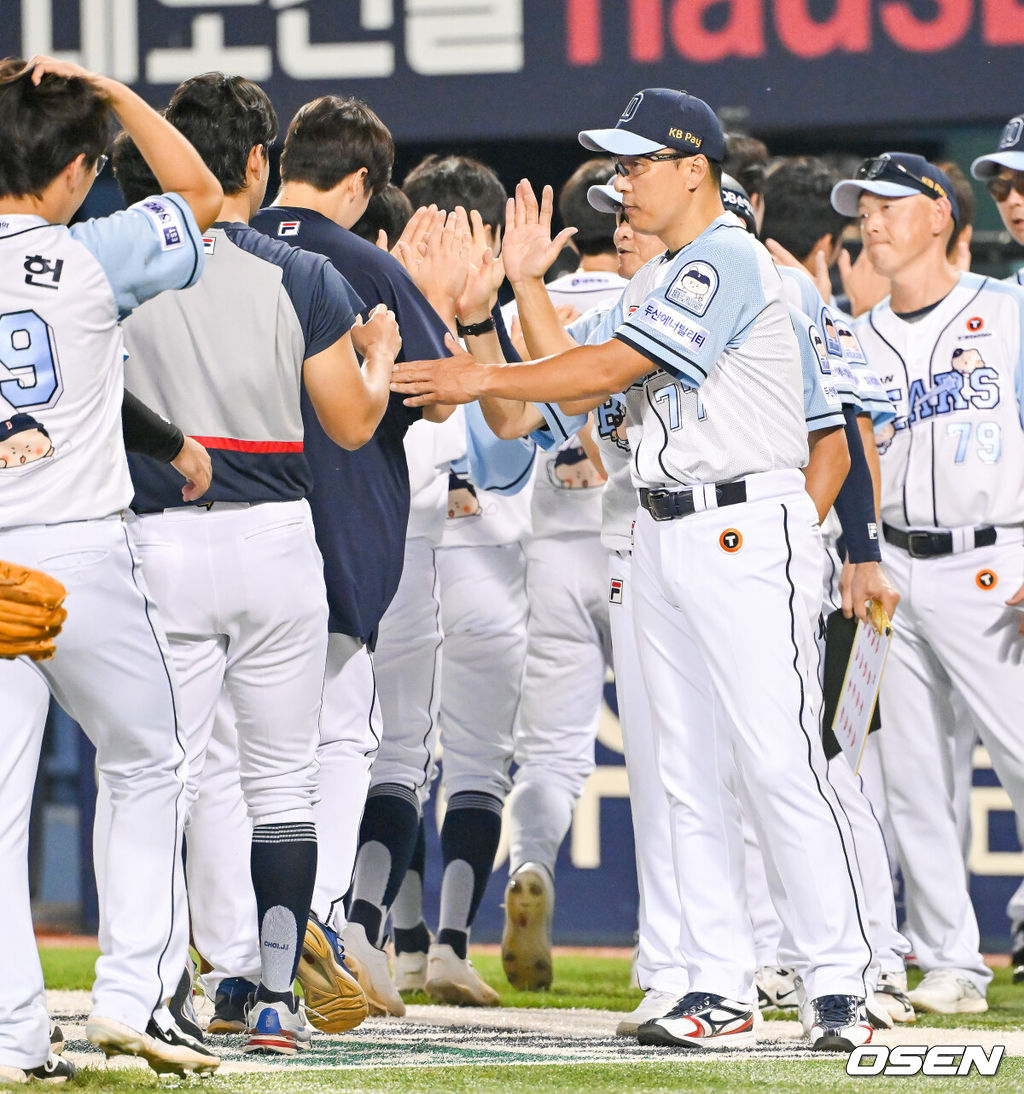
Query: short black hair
<point>964,194</point>
<point>449,181</point>
<point>746,159</point>
<point>133,174</point>
<point>595,230</point>
<point>390,209</point>
<point>224,117</point>
<point>330,138</point>
<point>44,127</point>
<point>798,205</point>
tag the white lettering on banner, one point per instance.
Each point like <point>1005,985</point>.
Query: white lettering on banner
<point>458,37</point>
<point>461,37</point>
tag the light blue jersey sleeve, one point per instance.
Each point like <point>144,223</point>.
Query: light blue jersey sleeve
<point>842,369</point>
<point>711,296</point>
<point>873,398</point>
<point>809,300</point>
<point>595,326</point>
<point>494,464</point>
<point>153,246</point>
<point>822,407</point>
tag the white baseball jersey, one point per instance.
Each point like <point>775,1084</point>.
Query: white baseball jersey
<point>955,453</point>
<point>61,353</point>
<point>582,289</point>
<point>803,294</point>
<point>725,399</point>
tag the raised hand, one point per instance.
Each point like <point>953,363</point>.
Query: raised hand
<point>528,249</point>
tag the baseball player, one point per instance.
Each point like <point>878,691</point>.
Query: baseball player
<point>716,459</point>
<point>947,347</point>
<point>1002,172</point>
<point>62,367</point>
<point>253,622</point>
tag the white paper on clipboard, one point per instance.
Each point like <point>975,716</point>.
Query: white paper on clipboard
<point>860,689</point>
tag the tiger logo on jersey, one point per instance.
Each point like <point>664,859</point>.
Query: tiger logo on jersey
<point>986,579</point>
<point>23,440</point>
<point>730,541</point>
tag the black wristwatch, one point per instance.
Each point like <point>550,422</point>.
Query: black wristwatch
<point>472,329</point>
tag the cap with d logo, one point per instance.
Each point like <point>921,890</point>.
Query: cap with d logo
<point>657,118</point>
<point>1010,152</point>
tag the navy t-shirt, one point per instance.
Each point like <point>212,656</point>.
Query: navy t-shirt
<point>360,499</point>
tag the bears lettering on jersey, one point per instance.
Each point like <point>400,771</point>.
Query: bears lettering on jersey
<point>694,287</point>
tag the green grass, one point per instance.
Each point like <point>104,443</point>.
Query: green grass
<point>592,983</point>
<point>741,1076</point>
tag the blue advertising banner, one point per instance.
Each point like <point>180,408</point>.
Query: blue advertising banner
<point>546,68</point>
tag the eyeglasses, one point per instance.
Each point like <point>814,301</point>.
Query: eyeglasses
<point>1000,186</point>
<point>884,164</point>
<point>101,162</point>
<point>630,167</point>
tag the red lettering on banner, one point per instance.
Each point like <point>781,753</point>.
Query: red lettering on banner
<point>846,30</point>
<point>646,30</point>
<point>742,35</point>
<point>1002,22</point>
<point>583,31</point>
<point>945,29</point>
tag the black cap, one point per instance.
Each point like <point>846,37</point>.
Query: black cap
<point>1010,152</point>
<point>894,175</point>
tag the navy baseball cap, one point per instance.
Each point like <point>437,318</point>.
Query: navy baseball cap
<point>605,198</point>
<point>737,200</point>
<point>893,175</point>
<point>657,118</point>
<point>1010,152</point>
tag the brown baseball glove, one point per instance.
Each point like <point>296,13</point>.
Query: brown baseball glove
<point>30,612</point>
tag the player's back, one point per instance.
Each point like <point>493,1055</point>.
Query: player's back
<point>224,362</point>
<point>61,352</point>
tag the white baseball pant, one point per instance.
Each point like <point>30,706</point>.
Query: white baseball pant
<point>567,653</point>
<point>727,647</point>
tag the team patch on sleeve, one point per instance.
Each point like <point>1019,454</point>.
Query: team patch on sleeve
<point>673,323</point>
<point>827,323</point>
<point>851,346</point>
<point>694,287</point>
<point>818,343</point>
<point>167,220</point>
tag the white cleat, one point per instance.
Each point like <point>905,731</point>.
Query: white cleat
<point>891,993</point>
<point>840,1023</point>
<point>654,1004</point>
<point>410,970</point>
<point>702,1020</point>
<point>776,988</point>
<point>526,940</point>
<point>877,1012</point>
<point>164,1049</point>
<point>945,991</point>
<point>369,965</point>
<point>452,979</point>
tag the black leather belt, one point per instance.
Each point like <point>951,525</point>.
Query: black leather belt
<point>932,544</point>
<point>673,504</point>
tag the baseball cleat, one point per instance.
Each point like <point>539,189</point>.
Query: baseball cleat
<point>273,1027</point>
<point>334,1000</point>
<point>229,1005</point>
<point>945,991</point>
<point>702,1020</point>
<point>164,1047</point>
<point>526,940</point>
<point>653,1005</point>
<point>840,1023</point>
<point>891,993</point>
<point>776,988</point>
<point>452,979</point>
<point>369,966</point>
<point>182,1004</point>
<point>55,1070</point>
<point>410,970</point>
<point>1017,960</point>
<point>877,1011</point>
